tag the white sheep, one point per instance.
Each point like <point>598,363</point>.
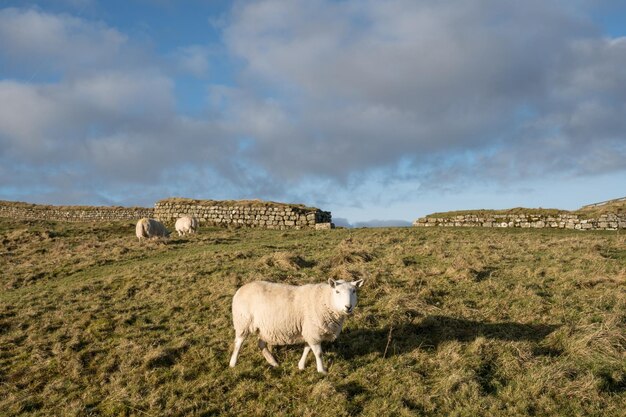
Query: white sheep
<point>285,314</point>
<point>149,228</point>
<point>186,224</point>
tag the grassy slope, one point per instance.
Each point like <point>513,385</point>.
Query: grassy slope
<point>618,207</point>
<point>613,207</point>
<point>450,322</point>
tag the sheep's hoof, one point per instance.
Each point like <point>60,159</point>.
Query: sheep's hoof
<point>269,357</point>
<point>323,371</point>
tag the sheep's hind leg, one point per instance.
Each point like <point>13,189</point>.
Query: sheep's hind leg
<point>267,354</point>
<point>302,362</point>
<point>238,342</point>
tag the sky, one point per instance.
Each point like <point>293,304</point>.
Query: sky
<point>380,111</point>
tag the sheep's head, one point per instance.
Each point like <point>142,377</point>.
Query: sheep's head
<point>343,295</point>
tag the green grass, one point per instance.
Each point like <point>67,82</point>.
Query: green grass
<point>450,322</point>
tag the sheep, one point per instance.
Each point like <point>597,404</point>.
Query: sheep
<point>284,314</point>
<point>149,228</point>
<point>186,225</point>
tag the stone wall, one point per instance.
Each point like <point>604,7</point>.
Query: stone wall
<point>561,221</point>
<point>243,213</point>
<point>26,211</point>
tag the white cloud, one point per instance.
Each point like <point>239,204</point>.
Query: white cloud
<point>108,122</point>
<point>358,85</point>
<point>327,98</point>
<point>47,118</point>
<point>43,42</point>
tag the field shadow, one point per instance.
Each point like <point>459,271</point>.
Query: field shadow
<point>177,241</point>
<point>431,332</point>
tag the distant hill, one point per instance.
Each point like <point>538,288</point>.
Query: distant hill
<point>342,222</point>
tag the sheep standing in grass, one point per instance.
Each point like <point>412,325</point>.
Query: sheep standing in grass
<point>285,314</point>
<point>186,225</point>
<point>149,228</point>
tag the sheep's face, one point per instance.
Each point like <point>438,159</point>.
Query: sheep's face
<point>344,295</point>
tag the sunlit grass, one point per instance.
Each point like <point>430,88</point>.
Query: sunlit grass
<point>450,322</point>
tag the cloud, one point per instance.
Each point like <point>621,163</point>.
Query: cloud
<point>49,118</point>
<point>483,84</point>
<point>108,127</point>
<point>355,101</point>
<point>42,42</point>
<point>194,59</point>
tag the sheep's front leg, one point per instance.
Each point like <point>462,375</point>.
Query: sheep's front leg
<point>317,351</point>
<point>267,354</point>
<point>302,362</point>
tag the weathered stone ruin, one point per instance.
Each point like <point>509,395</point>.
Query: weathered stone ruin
<point>244,213</point>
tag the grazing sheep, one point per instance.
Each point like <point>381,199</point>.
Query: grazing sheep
<point>149,228</point>
<point>285,314</point>
<point>186,225</point>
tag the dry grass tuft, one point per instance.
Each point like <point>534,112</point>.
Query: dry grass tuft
<point>350,252</point>
<point>285,261</point>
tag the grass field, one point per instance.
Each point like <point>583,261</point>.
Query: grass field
<point>450,322</point>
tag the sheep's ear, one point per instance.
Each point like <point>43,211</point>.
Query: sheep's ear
<point>358,283</point>
<point>332,282</point>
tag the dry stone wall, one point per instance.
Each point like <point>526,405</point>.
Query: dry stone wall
<point>561,221</point>
<point>27,211</point>
<point>244,213</point>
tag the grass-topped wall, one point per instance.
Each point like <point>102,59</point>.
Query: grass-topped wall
<point>26,211</point>
<point>608,216</point>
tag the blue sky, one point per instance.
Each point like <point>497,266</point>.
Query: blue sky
<point>374,110</point>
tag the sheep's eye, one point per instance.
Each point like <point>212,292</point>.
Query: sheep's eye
<point>337,291</point>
